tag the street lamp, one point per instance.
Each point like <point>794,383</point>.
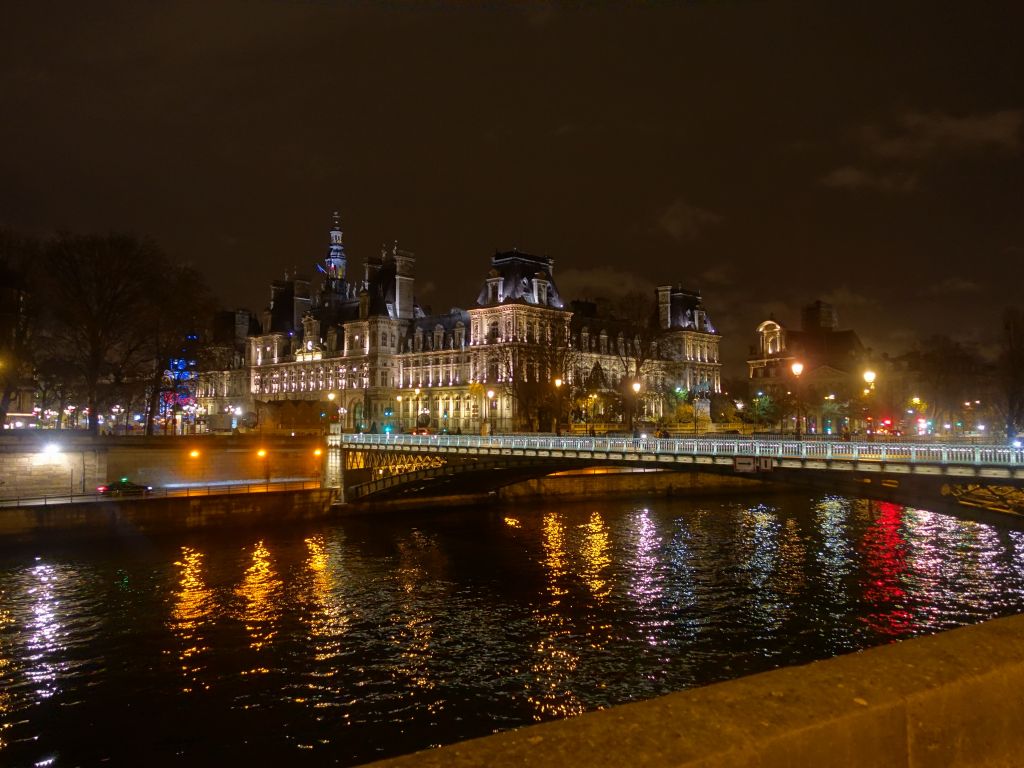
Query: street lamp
<point>869,380</point>
<point>399,401</point>
<point>490,406</point>
<point>262,455</point>
<point>797,368</point>
<point>558,407</point>
<point>636,402</point>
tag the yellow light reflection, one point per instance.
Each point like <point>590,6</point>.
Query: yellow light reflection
<point>555,658</point>
<point>261,591</point>
<point>415,633</point>
<point>193,606</point>
<point>554,554</point>
<point>6,670</point>
<point>329,619</point>
<point>512,522</point>
<point>596,553</point>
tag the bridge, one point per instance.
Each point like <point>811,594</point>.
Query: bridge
<point>391,466</point>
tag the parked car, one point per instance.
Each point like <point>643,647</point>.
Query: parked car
<point>420,431</point>
<point>123,487</point>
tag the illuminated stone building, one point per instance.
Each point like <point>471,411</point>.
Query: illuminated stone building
<point>830,362</point>
<point>363,354</point>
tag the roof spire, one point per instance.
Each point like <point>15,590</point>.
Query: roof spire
<point>334,264</point>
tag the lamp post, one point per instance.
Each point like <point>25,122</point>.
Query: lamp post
<point>558,407</point>
<point>399,401</point>
<point>797,368</point>
<point>265,458</point>
<point>490,406</point>
<point>695,397</point>
<point>869,381</point>
<point>636,401</point>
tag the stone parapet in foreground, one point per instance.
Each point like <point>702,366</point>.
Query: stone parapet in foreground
<point>952,699</point>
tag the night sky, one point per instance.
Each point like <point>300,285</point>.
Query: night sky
<point>766,153</point>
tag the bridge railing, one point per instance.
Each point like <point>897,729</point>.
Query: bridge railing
<point>929,453</point>
<point>218,489</point>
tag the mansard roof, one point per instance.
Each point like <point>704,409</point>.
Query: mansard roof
<point>517,271</point>
<point>426,326</point>
<point>448,322</point>
<point>684,305</point>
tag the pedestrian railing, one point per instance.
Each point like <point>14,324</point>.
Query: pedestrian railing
<point>219,489</point>
<point>929,453</point>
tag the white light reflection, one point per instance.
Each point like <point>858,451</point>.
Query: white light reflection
<point>759,553</point>
<point>836,558</point>
<point>957,568</point>
<point>646,575</point>
<point>45,632</point>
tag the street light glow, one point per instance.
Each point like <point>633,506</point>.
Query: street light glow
<point>797,368</point>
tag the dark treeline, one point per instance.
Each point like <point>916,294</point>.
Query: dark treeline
<point>94,320</point>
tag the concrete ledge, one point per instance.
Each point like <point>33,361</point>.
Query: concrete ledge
<point>164,514</point>
<point>953,699</point>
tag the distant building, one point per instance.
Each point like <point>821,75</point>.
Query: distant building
<point>831,362</point>
<point>362,353</point>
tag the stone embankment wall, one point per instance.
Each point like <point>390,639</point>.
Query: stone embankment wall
<point>953,699</point>
<point>145,516</point>
<point>593,483</point>
<point>40,467</point>
<point>55,463</point>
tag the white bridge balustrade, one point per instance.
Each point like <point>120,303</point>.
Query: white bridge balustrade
<point>987,460</point>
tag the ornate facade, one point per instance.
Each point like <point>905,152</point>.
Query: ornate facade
<point>363,354</point>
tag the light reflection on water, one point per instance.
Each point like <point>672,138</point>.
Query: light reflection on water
<point>350,641</point>
<point>193,607</point>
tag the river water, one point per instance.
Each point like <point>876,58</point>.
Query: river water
<point>344,642</point>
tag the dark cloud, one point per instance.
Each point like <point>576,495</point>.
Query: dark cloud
<point>852,177</point>
<point>917,135</point>
<point>683,221</point>
<point>953,286</point>
<point>602,282</point>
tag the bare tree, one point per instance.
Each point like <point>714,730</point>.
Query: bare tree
<point>17,315</point>
<point>98,291</point>
<point>949,375</point>
<point>528,375</point>
<point>175,327</point>
<point>634,333</point>
<point>1011,371</point>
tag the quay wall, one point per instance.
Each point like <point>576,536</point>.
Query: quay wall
<point>592,483</point>
<point>54,463</point>
<point>952,699</point>
<point>132,516</point>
